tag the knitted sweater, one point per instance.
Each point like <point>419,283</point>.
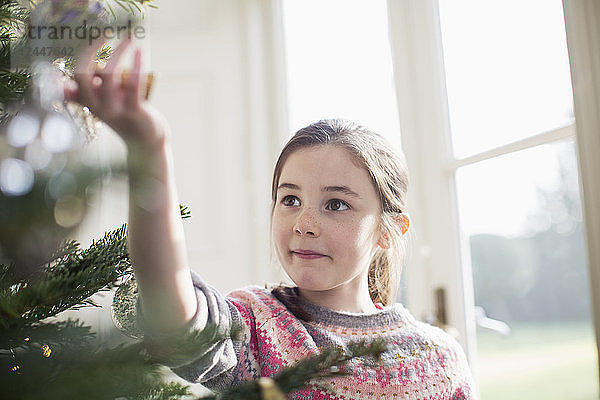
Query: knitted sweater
<point>422,362</point>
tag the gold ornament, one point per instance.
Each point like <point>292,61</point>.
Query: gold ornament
<point>269,389</point>
<point>147,79</point>
<point>46,351</point>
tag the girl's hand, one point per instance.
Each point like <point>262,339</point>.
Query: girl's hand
<point>159,261</point>
<point>115,100</point>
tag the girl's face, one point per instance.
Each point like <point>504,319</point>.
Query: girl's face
<point>325,220</point>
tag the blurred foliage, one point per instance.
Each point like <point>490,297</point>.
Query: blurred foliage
<point>15,17</point>
<point>28,228</point>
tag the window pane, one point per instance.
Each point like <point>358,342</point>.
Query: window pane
<point>507,71</point>
<point>521,214</point>
<point>339,63</point>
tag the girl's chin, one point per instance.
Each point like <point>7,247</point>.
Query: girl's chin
<point>310,282</point>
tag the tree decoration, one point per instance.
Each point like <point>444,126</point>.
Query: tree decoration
<point>43,179</point>
<point>123,309</point>
<point>19,38</point>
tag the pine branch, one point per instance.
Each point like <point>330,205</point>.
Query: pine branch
<point>13,20</point>
<point>67,281</point>
<point>329,363</point>
<point>123,371</point>
<point>59,334</point>
<point>90,373</point>
<point>13,87</point>
<point>15,76</point>
<point>5,42</point>
<point>59,356</point>
<point>132,7</point>
<point>13,14</point>
<point>167,391</point>
<point>185,211</point>
<point>9,276</point>
<point>86,272</point>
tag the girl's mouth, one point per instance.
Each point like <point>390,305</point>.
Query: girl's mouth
<point>307,254</point>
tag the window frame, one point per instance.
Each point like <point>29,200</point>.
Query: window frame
<point>440,258</point>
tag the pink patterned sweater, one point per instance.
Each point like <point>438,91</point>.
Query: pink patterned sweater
<point>422,362</point>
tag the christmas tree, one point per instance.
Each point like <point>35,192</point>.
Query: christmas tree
<point>43,196</point>
<point>43,188</point>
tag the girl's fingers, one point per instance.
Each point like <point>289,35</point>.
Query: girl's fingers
<point>107,74</point>
<point>132,82</point>
<point>84,73</point>
<point>70,91</point>
<point>88,54</point>
<point>117,54</point>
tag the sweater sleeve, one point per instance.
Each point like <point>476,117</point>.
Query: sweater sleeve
<point>216,365</point>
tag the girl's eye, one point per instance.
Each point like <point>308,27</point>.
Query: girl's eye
<point>290,201</point>
<point>338,205</point>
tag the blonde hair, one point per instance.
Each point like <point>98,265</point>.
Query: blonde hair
<point>389,175</point>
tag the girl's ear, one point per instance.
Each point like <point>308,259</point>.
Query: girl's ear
<point>403,220</point>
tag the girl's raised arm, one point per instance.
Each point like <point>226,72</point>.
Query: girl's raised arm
<point>156,239</point>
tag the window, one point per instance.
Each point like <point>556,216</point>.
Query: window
<point>520,212</point>
<point>484,99</point>
<point>485,88</point>
<point>507,71</point>
<point>339,64</point>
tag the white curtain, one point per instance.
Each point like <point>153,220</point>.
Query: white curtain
<point>582,20</point>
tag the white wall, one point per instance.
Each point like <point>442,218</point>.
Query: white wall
<point>219,81</point>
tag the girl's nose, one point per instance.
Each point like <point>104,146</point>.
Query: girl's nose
<point>307,224</point>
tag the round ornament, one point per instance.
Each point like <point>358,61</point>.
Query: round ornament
<point>124,309</point>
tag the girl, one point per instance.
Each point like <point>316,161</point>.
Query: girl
<point>338,224</point>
